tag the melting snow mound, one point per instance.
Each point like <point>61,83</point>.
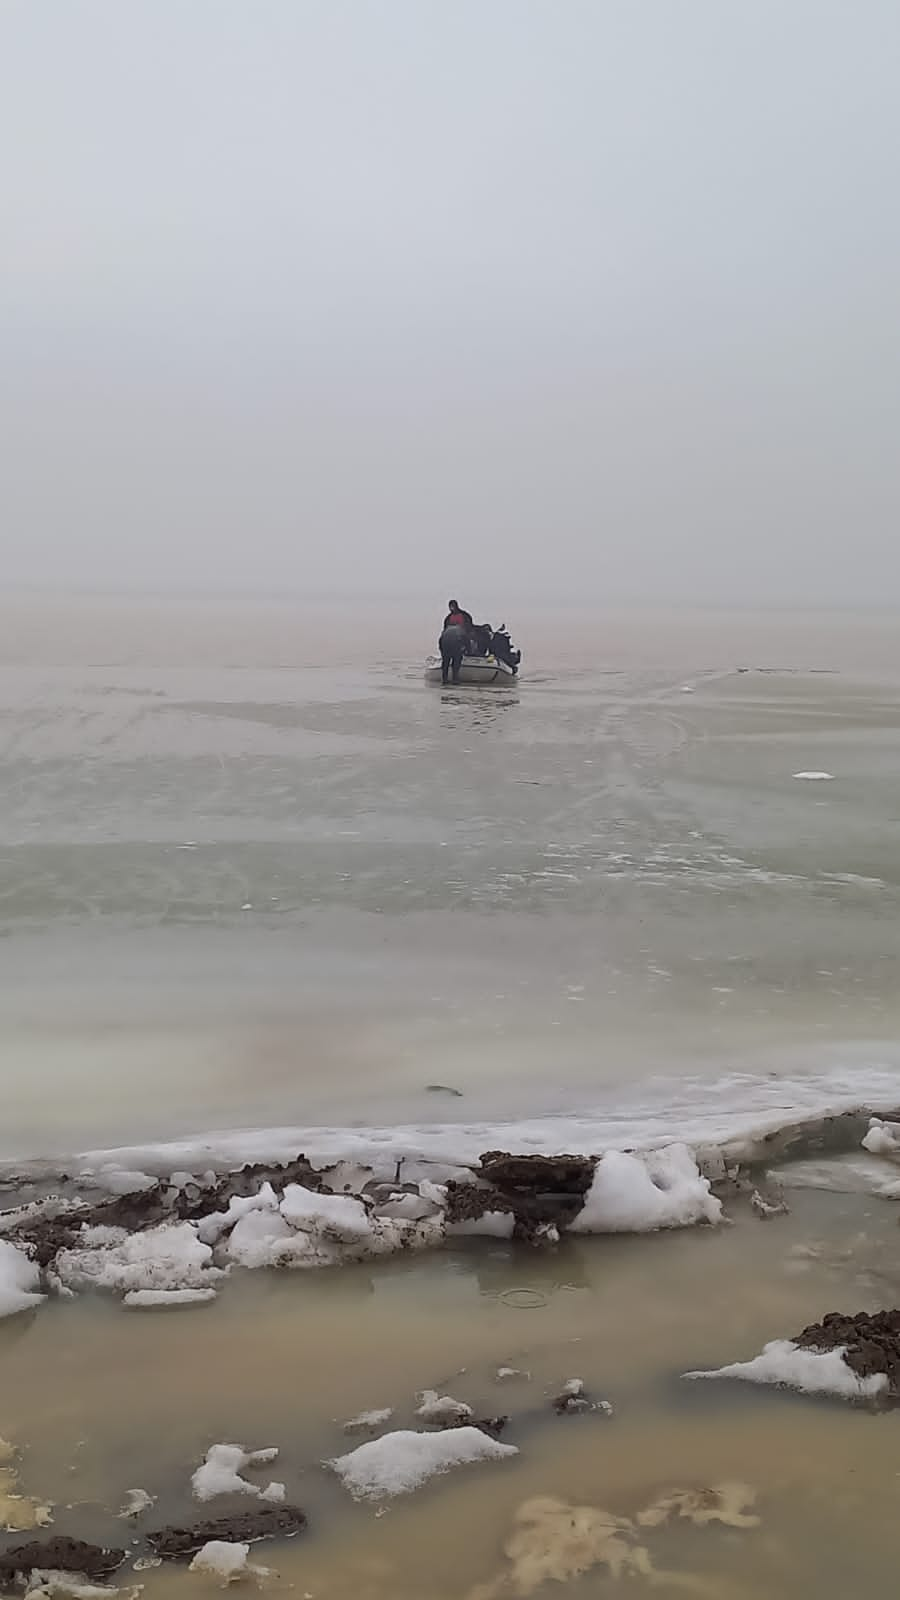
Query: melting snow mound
<point>638,1194</point>
<point>400,1462</point>
<point>784,1363</point>
<point>221,1472</point>
<point>20,1281</point>
<point>219,1559</point>
<point>168,1257</point>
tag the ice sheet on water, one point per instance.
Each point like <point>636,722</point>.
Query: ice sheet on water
<point>157,1299</point>
<point>736,1111</point>
<point>400,1462</point>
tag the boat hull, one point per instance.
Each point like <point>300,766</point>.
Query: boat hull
<point>479,672</point>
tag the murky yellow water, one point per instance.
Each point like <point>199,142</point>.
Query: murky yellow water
<point>102,1400</point>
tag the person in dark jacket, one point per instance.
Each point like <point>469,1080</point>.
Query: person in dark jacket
<point>454,640</point>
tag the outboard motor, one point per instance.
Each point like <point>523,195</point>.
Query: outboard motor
<point>502,646</point>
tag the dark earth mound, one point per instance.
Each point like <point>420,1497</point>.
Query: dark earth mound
<point>872,1342</point>
<point>244,1527</point>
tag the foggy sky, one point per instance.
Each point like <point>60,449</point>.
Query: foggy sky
<point>594,298</point>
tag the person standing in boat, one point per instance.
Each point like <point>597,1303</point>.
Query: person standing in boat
<point>454,640</point>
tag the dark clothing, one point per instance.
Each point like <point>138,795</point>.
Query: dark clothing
<point>459,619</point>
<point>453,642</point>
<point>501,644</point>
<point>481,638</point>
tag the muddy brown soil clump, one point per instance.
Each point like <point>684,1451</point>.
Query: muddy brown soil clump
<point>243,1527</point>
<point>871,1343</point>
<point>539,1191</point>
<point>59,1554</point>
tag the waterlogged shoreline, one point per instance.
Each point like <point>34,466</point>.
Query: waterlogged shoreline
<point>726,1485</point>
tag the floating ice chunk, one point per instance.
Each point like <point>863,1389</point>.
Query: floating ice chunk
<point>441,1408</point>
<point>815,777</point>
<point>69,1586</point>
<point>508,1374</point>
<point>369,1421</point>
<point>407,1207</point>
<point>637,1194</point>
<point>211,1228</point>
<point>138,1501</point>
<point>20,1281</point>
<point>492,1224</point>
<point>840,1175</point>
<point>219,1559</point>
<point>813,1371</point>
<point>883,1138</point>
<point>335,1216</point>
<point>221,1472</point>
<point>118,1180</point>
<point>274,1494</point>
<point>263,1239</point>
<point>153,1299</point>
<point>166,1257</point>
<point>19,1513</point>
<point>572,1389</point>
<point>400,1462</point>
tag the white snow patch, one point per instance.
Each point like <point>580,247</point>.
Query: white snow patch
<point>400,1462</point>
<point>637,1194</point>
<point>211,1228</point>
<point>152,1299</point>
<point>20,1281</point>
<point>815,777</point>
<point>220,1559</point>
<point>166,1257</point>
<point>813,1371</point>
<point>221,1472</point>
<point>436,1407</point>
<point>333,1216</point>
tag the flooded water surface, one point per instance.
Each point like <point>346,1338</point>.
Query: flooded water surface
<point>103,1400</point>
<point>257,877</point>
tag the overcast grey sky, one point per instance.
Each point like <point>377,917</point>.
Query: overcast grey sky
<point>593,297</point>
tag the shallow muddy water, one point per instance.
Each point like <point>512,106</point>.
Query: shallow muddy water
<point>102,1400</point>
